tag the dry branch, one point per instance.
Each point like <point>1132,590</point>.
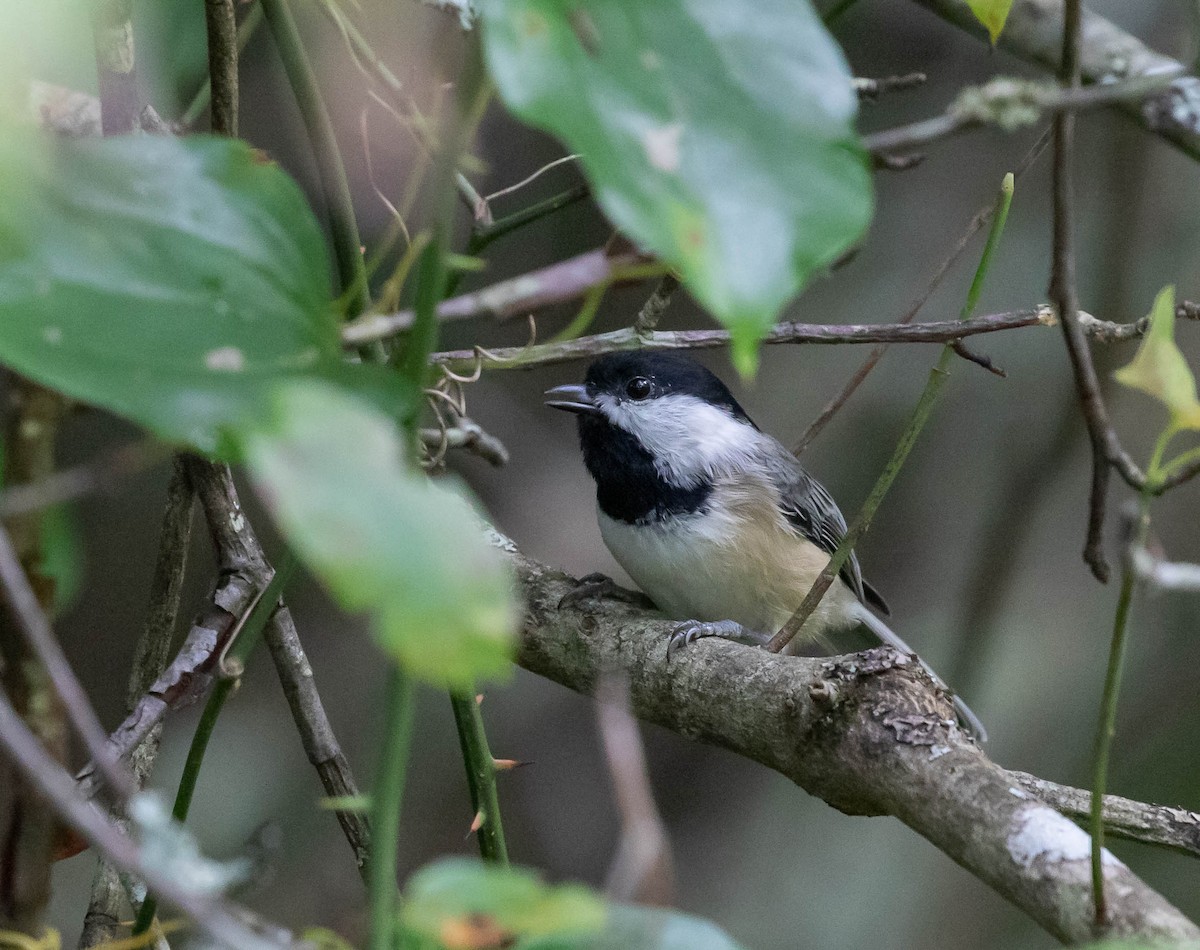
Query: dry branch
<point>867,733</point>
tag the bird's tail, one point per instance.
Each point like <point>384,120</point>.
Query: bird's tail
<point>888,636</point>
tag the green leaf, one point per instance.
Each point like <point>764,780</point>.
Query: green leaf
<point>384,538</point>
<point>717,136</point>
<point>464,904</point>
<point>171,281</point>
<point>993,14</point>
<point>1159,368</point>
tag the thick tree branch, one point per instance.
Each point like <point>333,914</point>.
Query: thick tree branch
<point>1107,53</point>
<point>867,733</point>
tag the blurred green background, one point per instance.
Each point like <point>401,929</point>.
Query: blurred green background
<point>977,548</point>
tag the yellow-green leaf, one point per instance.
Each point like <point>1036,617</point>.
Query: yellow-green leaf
<point>1159,368</point>
<point>993,14</point>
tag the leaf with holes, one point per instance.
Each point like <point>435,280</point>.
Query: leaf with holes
<point>717,136</point>
<point>384,538</point>
<point>993,14</point>
<point>1159,368</point>
<point>171,281</point>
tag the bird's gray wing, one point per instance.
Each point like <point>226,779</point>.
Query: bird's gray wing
<point>811,510</point>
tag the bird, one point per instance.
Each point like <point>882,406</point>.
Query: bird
<point>713,518</point>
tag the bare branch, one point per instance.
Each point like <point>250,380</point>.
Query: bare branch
<point>642,870</point>
<point>1108,54</point>
<point>242,554</point>
<point>35,628</point>
<point>211,914</point>
<point>588,347</point>
<point>559,283</point>
<point>1011,104</point>
<point>102,921</point>
<point>1174,828</point>
<point>867,733</point>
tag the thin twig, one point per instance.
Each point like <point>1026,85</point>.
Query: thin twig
<point>588,347</point>
<point>642,870</point>
<point>920,415</point>
<point>221,23</point>
<point>211,914</point>
<point>115,66</point>
<point>871,89</point>
<point>103,918</point>
<point>242,558</point>
<point>1162,825</point>
<point>35,628</point>
<point>653,309</point>
<point>1010,104</point>
<point>978,220</point>
<point>343,225</point>
<point>559,283</point>
<point>202,98</point>
<point>70,483</point>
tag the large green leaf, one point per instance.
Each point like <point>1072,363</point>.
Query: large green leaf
<point>1159,368</point>
<point>385,539</point>
<point>717,135</point>
<point>463,904</point>
<point>170,281</point>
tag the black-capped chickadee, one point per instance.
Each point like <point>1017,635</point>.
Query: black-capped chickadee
<point>714,519</point>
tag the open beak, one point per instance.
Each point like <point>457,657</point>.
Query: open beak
<point>573,398</point>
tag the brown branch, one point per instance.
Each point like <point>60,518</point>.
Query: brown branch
<point>588,347</point>
<point>1011,104</point>
<point>559,283</point>
<point>1034,32</point>
<point>34,627</point>
<point>1105,447</point>
<point>102,921</point>
<point>120,104</point>
<point>643,869</point>
<point>242,554</point>
<point>866,733</point>
<point>211,914</point>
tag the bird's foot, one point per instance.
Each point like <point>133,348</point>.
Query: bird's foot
<point>602,587</point>
<point>691,630</point>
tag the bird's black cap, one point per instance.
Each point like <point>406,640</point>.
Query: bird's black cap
<point>670,373</point>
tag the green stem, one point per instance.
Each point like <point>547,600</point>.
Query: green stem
<point>386,797</point>
<point>1108,712</point>
<point>485,234</point>
<point>347,244</point>
<point>920,415</point>
<point>203,95</point>
<point>1186,458</point>
<point>230,666</point>
<point>481,777</point>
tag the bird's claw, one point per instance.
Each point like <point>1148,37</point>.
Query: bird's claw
<point>692,630</point>
<point>602,587</point>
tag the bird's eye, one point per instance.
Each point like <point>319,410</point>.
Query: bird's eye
<point>638,388</point>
